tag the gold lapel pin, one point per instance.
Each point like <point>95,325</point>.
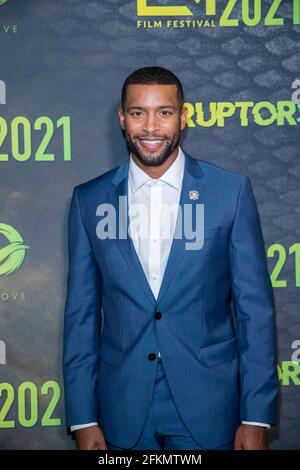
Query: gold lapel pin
<point>193,194</point>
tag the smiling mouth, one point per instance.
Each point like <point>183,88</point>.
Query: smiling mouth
<point>151,144</point>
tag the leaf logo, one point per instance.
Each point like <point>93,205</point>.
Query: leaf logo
<point>2,2</point>
<point>13,254</point>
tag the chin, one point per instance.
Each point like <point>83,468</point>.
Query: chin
<point>154,162</point>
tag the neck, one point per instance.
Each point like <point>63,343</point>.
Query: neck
<point>157,171</point>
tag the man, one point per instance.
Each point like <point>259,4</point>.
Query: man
<point>184,356</point>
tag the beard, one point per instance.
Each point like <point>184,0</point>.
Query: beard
<point>150,159</point>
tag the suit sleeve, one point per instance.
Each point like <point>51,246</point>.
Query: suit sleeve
<point>253,304</point>
<point>82,323</point>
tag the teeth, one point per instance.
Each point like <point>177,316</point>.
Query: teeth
<point>151,141</point>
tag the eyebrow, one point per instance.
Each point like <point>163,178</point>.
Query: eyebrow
<point>170,106</point>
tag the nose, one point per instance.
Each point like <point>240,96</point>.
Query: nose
<point>150,123</point>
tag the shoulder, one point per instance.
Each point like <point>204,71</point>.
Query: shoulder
<point>100,183</point>
<point>219,175</point>
<point>211,169</point>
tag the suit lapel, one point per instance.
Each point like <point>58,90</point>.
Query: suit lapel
<point>126,245</point>
<point>191,177</point>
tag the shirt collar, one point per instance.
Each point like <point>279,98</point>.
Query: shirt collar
<point>173,175</point>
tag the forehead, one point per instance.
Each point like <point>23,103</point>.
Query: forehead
<point>151,95</point>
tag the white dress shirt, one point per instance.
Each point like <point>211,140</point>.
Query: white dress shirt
<point>157,196</point>
<point>152,242</point>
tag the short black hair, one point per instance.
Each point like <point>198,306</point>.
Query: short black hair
<point>151,76</point>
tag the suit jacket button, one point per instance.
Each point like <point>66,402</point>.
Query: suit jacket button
<point>151,357</point>
<point>158,315</point>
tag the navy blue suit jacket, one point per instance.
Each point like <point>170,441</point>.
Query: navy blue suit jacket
<point>216,333</point>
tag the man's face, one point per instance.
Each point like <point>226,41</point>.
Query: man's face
<point>152,121</point>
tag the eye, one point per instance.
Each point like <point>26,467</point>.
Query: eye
<point>166,113</point>
<point>136,113</point>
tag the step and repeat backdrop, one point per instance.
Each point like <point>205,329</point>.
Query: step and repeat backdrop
<point>62,66</point>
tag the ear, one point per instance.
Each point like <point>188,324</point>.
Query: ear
<point>183,117</point>
<point>121,117</point>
